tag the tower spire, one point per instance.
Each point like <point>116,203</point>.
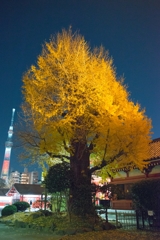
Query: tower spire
<point>7,154</point>
<point>12,119</point>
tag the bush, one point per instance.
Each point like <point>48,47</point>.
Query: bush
<point>146,195</point>
<point>21,206</point>
<point>9,210</point>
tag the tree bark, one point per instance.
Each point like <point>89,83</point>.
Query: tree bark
<point>80,191</point>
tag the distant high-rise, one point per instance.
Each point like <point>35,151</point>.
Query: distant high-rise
<point>25,177</point>
<point>33,177</point>
<point>8,147</point>
<point>29,177</point>
<point>15,177</point>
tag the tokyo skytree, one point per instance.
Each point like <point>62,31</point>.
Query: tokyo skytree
<point>7,154</point>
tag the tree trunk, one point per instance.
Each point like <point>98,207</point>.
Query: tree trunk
<point>80,202</point>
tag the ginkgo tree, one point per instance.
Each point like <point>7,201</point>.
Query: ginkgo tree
<point>81,113</point>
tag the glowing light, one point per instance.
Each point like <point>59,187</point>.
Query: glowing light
<point>5,167</point>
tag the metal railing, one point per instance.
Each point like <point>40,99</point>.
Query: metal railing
<point>148,220</point>
<point>131,219</point>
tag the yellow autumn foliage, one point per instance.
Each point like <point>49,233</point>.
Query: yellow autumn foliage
<point>73,93</point>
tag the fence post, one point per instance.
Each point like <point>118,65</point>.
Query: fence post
<point>106,215</point>
<point>116,218</point>
<point>143,218</point>
<point>137,219</point>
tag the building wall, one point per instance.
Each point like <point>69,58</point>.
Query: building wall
<point>14,177</point>
<point>25,178</point>
<point>33,177</point>
<point>5,200</point>
<point>120,174</point>
<point>135,172</point>
<point>156,169</point>
<point>29,177</point>
<point>30,198</point>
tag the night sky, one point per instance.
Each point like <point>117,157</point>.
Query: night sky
<point>128,29</point>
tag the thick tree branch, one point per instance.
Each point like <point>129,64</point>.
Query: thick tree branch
<point>65,146</point>
<point>60,156</point>
<point>105,163</point>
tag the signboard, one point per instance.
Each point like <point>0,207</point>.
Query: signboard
<point>150,213</point>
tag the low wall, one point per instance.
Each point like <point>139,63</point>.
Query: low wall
<point>122,204</point>
<point>4,200</point>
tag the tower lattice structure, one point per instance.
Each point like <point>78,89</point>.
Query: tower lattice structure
<point>7,154</point>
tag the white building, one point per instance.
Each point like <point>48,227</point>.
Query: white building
<point>29,177</point>
<point>25,177</point>
<point>14,177</point>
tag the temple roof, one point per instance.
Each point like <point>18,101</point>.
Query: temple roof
<point>3,191</point>
<point>155,149</point>
<point>24,189</point>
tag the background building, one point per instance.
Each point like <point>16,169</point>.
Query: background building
<point>15,177</point>
<point>25,177</point>
<point>29,177</point>
<point>33,179</point>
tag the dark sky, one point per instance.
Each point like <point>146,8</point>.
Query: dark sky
<point>128,29</point>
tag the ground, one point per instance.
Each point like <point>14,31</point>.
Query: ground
<point>15,233</point>
<point>10,233</point>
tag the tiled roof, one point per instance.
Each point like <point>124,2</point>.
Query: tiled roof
<point>155,149</point>
<point>3,191</point>
<point>29,189</point>
<point>154,153</point>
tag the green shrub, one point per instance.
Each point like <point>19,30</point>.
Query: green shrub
<point>9,210</point>
<point>146,194</point>
<point>21,206</point>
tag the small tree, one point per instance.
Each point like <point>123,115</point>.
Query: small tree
<point>146,195</point>
<point>57,182</point>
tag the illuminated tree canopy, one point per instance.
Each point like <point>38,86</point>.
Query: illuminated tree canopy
<point>81,112</point>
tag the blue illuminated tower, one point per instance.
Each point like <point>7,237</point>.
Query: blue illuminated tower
<point>8,147</point>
